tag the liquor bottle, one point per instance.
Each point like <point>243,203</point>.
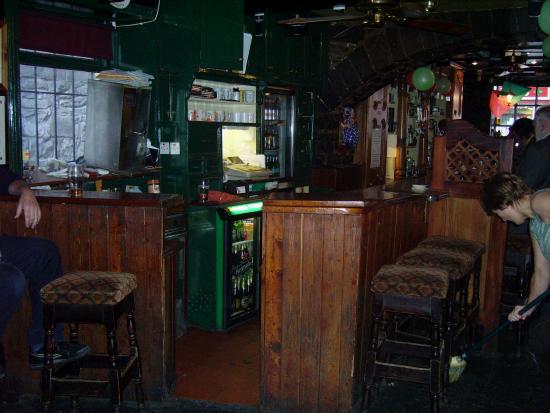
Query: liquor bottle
<point>235,257</point>
<point>276,110</point>
<point>236,295</point>
<point>234,232</point>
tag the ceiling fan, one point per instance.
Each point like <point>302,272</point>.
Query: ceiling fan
<point>376,13</point>
<point>515,64</point>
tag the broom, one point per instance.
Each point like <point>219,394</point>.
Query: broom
<point>458,363</point>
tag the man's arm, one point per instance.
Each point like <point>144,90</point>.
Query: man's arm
<point>28,205</point>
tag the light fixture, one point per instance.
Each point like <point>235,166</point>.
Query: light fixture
<point>475,63</point>
<point>430,5</point>
<point>512,92</point>
<point>120,4</point>
<point>339,7</point>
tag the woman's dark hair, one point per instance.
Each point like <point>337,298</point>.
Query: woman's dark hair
<point>501,190</point>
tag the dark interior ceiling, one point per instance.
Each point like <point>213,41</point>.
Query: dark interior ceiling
<point>517,58</point>
<point>511,57</point>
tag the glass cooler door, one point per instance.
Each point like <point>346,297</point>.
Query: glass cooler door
<point>241,262</point>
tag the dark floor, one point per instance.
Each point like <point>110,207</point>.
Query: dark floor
<point>500,383</point>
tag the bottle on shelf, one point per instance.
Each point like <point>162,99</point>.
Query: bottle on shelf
<point>276,110</point>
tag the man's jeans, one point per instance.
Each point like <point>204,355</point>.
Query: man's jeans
<point>33,260</point>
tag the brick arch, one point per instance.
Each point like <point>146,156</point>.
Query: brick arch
<point>388,52</point>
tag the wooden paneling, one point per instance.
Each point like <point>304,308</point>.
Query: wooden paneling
<point>464,218</point>
<point>318,263</point>
<point>112,238</point>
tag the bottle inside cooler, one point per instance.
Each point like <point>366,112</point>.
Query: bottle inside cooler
<point>242,268</point>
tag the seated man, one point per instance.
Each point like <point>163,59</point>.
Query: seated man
<point>35,261</point>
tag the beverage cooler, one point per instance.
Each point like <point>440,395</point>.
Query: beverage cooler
<point>277,129</point>
<point>224,256</point>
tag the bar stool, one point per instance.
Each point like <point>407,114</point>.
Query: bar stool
<point>416,291</point>
<point>95,297</point>
<point>475,251</point>
<point>518,269</point>
<point>458,267</point>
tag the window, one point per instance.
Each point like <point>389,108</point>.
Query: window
<point>53,113</point>
<point>526,108</point>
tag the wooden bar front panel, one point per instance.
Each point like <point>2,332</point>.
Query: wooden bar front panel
<point>464,218</point>
<point>317,267</point>
<point>112,238</point>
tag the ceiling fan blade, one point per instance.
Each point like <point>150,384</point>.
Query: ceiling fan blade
<point>439,26</point>
<point>324,19</point>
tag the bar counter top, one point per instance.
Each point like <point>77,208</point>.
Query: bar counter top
<point>365,198</point>
<point>103,198</point>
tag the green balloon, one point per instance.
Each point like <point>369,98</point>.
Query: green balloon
<point>443,85</point>
<point>423,78</point>
<point>544,17</point>
<point>546,47</point>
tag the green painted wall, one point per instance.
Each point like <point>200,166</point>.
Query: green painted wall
<point>205,36</point>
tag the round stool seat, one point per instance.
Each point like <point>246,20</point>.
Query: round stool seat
<point>457,264</point>
<point>454,244</point>
<point>411,281</point>
<point>89,287</point>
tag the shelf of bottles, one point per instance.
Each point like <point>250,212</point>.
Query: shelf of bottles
<point>212,101</point>
<point>272,139</point>
<point>242,278</point>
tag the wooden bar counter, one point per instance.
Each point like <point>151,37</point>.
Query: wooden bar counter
<point>139,233</point>
<point>319,255</point>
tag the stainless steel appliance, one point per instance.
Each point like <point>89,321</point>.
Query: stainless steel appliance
<point>117,118</point>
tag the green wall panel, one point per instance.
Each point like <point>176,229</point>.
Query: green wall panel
<point>222,34</point>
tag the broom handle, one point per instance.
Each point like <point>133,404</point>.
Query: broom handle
<point>505,324</point>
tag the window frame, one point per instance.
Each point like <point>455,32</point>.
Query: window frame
<point>50,60</point>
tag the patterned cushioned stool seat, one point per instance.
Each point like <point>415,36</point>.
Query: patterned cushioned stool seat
<point>454,244</point>
<point>411,281</point>
<point>89,287</point>
<point>457,264</point>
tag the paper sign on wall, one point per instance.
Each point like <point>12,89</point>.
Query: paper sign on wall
<point>375,148</point>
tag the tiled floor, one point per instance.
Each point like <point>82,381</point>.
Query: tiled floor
<point>220,367</point>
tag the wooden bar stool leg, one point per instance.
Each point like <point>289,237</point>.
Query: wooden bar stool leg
<point>112,351</point>
<point>477,276</point>
<point>371,353</point>
<point>134,351</point>
<point>73,335</point>
<point>435,366</point>
<point>47,369</point>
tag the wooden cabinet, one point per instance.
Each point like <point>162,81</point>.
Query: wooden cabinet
<point>222,26</point>
<point>138,233</point>
<point>319,256</point>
